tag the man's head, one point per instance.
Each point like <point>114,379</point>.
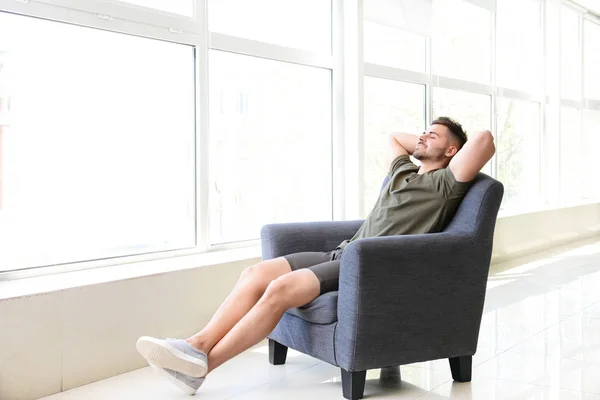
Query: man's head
<point>441,141</point>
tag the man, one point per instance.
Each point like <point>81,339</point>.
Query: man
<point>415,200</point>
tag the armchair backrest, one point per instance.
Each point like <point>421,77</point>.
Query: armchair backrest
<point>477,213</point>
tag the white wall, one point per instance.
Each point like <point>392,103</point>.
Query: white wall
<point>520,235</point>
<point>73,337</point>
<point>65,339</point>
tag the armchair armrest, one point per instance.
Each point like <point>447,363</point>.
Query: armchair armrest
<point>280,239</point>
<point>410,298</point>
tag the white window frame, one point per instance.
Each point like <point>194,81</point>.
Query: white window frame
<point>108,9</point>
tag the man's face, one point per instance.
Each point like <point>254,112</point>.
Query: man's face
<point>433,144</point>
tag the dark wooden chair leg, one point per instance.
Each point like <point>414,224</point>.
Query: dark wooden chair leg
<point>390,375</point>
<point>277,353</point>
<point>461,368</point>
<point>353,384</point>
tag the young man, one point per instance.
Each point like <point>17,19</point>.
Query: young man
<point>416,200</point>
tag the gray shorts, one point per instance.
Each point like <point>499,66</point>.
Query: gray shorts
<point>326,266</point>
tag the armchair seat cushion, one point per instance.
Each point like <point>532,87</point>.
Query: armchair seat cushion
<point>322,310</point>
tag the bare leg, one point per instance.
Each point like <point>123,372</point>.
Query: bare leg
<point>291,290</point>
<point>247,291</point>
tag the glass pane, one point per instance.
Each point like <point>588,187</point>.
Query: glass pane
<point>181,7</point>
<point>518,153</point>
<point>519,45</point>
<point>571,150</point>
<point>462,40</point>
<point>302,24</point>
<point>570,55</point>
<point>86,173</point>
<point>270,129</point>
<point>591,54</point>
<point>392,47</point>
<point>390,106</point>
<point>472,110</point>
<point>591,127</point>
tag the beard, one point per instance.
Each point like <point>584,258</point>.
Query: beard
<point>419,155</point>
<point>422,155</point>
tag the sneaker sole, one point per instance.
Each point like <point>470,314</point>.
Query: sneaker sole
<point>163,355</point>
<point>186,389</point>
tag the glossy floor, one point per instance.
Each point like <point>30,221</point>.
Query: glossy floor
<point>539,339</point>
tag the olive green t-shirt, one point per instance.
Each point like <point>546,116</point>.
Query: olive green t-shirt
<point>411,203</point>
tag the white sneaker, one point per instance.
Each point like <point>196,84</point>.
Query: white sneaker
<point>186,383</point>
<point>174,354</point>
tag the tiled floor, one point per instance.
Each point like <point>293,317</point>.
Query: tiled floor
<point>540,339</point>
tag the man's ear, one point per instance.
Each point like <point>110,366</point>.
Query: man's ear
<point>451,151</point>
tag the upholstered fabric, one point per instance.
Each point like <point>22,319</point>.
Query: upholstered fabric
<point>280,239</point>
<point>322,310</point>
<point>316,340</point>
<point>401,299</point>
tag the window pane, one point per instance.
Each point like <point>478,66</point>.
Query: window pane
<point>182,7</point>
<point>571,151</point>
<point>392,47</point>
<point>592,60</point>
<point>462,40</point>
<point>472,110</point>
<point>270,129</point>
<point>591,127</point>
<point>570,55</point>
<point>518,152</point>
<point>302,24</point>
<point>519,45</point>
<point>390,106</point>
<point>87,173</point>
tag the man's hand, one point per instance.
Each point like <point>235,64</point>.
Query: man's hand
<point>401,144</point>
<point>478,150</point>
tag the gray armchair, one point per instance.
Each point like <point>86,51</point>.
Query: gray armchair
<point>401,299</point>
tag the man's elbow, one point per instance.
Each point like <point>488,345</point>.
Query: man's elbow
<point>485,141</point>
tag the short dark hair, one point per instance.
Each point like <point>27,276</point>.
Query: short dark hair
<point>454,127</point>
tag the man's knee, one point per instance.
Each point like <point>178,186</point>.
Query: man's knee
<point>265,271</point>
<point>250,271</point>
<point>292,290</point>
<point>279,292</point>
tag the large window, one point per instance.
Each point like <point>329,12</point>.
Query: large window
<point>462,41</point>
<point>178,126</point>
<point>98,155</point>
<point>270,125</point>
<point>518,153</point>
<point>390,106</point>
<point>519,45</point>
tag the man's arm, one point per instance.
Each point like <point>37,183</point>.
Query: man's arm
<point>478,150</point>
<point>401,144</point>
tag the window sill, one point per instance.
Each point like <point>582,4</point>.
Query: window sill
<point>51,283</point>
<point>61,281</point>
